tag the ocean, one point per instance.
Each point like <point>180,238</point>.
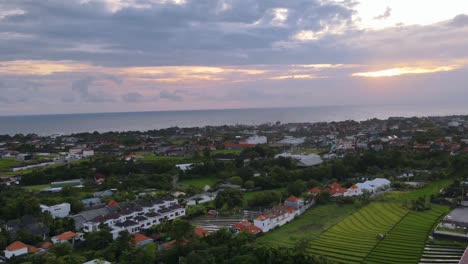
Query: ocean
<point>142,121</point>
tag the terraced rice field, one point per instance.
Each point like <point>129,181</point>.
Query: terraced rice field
<point>355,239</point>
<point>406,241</point>
<point>351,240</point>
<point>309,226</point>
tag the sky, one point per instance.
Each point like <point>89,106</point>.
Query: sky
<point>80,56</point>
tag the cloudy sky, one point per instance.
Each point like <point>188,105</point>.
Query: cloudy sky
<point>79,56</point>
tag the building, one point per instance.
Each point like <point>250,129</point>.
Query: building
<point>184,167</point>
<point>274,217</point>
<point>24,157</point>
<point>97,261</point>
<point>246,226</point>
<point>87,152</point>
<point>353,191</point>
<point>18,248</point>
<point>141,240</point>
<point>67,237</point>
<point>132,217</point>
<point>303,160</point>
<point>294,202</point>
<point>378,184</point>
<point>57,211</point>
<point>255,140</point>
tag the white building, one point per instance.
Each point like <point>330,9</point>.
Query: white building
<point>87,152</point>
<point>184,167</point>
<point>137,215</point>
<point>375,185</point>
<point>255,140</point>
<point>353,191</point>
<point>57,211</point>
<point>16,249</point>
<point>303,160</point>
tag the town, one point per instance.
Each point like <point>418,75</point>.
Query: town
<point>344,192</point>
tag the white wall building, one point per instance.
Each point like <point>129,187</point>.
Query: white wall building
<point>16,249</point>
<point>255,140</point>
<point>353,191</point>
<point>57,211</point>
<point>87,152</point>
<point>137,215</point>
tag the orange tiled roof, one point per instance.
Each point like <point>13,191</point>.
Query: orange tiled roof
<point>292,198</point>
<point>315,190</point>
<point>66,236</point>
<point>200,231</point>
<point>354,187</point>
<point>16,246</point>
<point>32,249</point>
<point>261,218</point>
<point>46,245</point>
<point>112,203</point>
<point>140,238</point>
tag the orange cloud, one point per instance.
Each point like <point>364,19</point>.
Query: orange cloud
<point>404,71</point>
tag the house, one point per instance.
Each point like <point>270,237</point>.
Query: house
<point>336,190</point>
<point>255,140</point>
<point>68,236</point>
<point>141,240</point>
<point>103,193</point>
<point>57,211</point>
<point>46,245</point>
<point>92,203</point>
<point>353,191</point>
<point>87,152</point>
<point>294,202</point>
<point>24,157</point>
<point>246,226</point>
<point>184,167</point>
<point>315,191</point>
<point>200,231</point>
<point>375,185</point>
<point>18,248</point>
<point>233,145</point>
<point>276,216</point>
<point>131,216</point>
<point>303,160</point>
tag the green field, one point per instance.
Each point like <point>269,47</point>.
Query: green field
<point>199,182</point>
<point>226,151</point>
<point>6,163</point>
<point>405,242</point>
<point>310,225</point>
<point>427,191</point>
<point>249,195</point>
<point>355,239</point>
<point>36,188</point>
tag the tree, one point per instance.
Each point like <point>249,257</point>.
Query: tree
<point>296,188</point>
<point>230,198</point>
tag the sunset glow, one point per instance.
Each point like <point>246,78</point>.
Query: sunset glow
<point>403,71</point>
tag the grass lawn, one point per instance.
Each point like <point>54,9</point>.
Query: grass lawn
<point>310,225</point>
<point>36,188</point>
<point>226,151</point>
<point>6,163</point>
<point>199,182</point>
<point>427,190</point>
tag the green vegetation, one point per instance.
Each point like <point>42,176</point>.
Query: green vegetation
<point>432,188</point>
<point>355,237</point>
<point>405,242</point>
<point>226,151</point>
<point>309,226</point>
<point>199,182</point>
<point>164,158</point>
<point>251,197</point>
<point>36,188</point>
<point>6,163</point>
